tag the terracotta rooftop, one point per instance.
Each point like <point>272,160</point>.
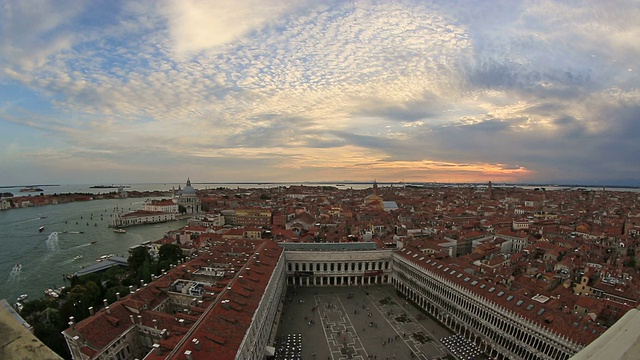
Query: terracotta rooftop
<point>536,309</point>
<point>254,263</point>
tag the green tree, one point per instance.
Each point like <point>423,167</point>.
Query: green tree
<point>170,252</point>
<point>110,294</point>
<point>138,256</point>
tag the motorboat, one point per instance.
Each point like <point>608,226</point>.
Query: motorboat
<point>78,257</point>
<point>22,298</point>
<point>52,293</point>
<point>120,231</point>
<point>41,228</point>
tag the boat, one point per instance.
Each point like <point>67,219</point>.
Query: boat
<point>19,306</point>
<point>41,228</point>
<point>94,242</point>
<point>120,231</point>
<point>78,257</point>
<point>22,298</point>
<point>52,293</point>
<point>17,267</point>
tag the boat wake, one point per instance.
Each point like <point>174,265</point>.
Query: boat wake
<point>52,242</point>
<point>15,273</point>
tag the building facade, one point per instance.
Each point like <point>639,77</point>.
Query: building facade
<point>141,217</point>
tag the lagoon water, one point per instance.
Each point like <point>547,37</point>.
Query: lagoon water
<point>69,230</point>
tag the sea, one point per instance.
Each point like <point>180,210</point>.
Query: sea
<point>76,234</point>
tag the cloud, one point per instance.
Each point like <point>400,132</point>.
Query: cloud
<point>196,26</point>
<point>514,90</point>
<point>34,30</point>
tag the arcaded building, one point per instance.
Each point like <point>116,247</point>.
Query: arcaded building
<point>227,300</point>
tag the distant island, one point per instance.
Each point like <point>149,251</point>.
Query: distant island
<point>31,189</point>
<point>109,186</point>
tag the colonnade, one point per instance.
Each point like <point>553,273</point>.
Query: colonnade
<point>500,333</point>
<point>339,273</point>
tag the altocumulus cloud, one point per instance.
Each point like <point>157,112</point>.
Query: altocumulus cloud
<point>314,90</point>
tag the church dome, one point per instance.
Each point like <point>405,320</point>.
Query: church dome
<point>188,189</point>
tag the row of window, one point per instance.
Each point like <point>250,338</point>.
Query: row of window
<point>332,266</point>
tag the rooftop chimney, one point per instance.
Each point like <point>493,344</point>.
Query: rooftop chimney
<point>187,354</point>
<point>118,296</point>
<point>196,344</point>
<point>131,290</point>
<point>106,303</point>
<point>72,323</point>
<point>108,310</point>
<point>91,312</point>
<point>155,324</point>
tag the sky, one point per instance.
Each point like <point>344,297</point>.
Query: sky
<point>100,92</point>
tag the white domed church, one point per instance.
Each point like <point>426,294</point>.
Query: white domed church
<point>188,198</point>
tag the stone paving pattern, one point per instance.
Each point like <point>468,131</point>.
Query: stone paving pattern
<point>361,323</point>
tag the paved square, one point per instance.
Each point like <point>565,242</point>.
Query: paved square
<point>362,323</point>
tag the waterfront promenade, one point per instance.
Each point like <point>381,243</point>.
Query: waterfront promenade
<point>371,322</point>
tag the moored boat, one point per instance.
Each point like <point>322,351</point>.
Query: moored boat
<point>120,231</point>
<point>52,293</point>
<point>22,298</point>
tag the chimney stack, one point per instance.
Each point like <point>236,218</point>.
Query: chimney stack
<point>91,312</point>
<point>131,290</point>
<point>108,310</point>
<point>72,323</point>
<point>155,324</point>
<point>187,354</point>
<point>118,296</point>
<point>106,303</point>
<point>196,344</point>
